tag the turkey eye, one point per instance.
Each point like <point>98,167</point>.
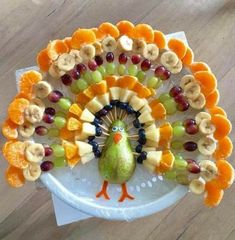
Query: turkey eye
<point>114,129</point>
<point>121,129</point>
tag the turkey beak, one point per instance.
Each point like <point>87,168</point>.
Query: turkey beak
<point>117,137</point>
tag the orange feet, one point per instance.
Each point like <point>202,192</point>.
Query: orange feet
<point>125,194</point>
<point>103,191</point>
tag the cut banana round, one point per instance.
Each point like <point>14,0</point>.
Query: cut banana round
<point>186,79</point>
<point>201,116</point>
<point>177,68</point>
<point>197,103</point>
<point>209,170</point>
<point>26,130</point>
<point>38,102</point>
<point>32,172</point>
<point>151,52</point>
<point>109,44</point>
<point>206,127</point>
<point>192,90</point>
<point>33,113</point>
<point>98,48</point>
<point>138,46</point>
<point>66,62</point>
<point>169,59</point>
<point>197,186</point>
<point>206,145</point>
<point>42,89</point>
<point>76,54</point>
<point>87,52</point>
<point>125,43</point>
<point>35,152</point>
<point>55,72</point>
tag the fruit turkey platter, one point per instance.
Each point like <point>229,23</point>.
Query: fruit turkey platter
<point>124,98</point>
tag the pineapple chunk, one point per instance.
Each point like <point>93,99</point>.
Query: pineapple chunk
<point>88,129</point>
<point>87,158</point>
<point>87,116</point>
<point>75,109</point>
<point>115,93</point>
<point>154,157</point>
<point>153,135</point>
<point>137,103</point>
<point>145,117</point>
<point>103,99</point>
<point>149,166</point>
<point>83,148</point>
<point>125,95</point>
<point>94,105</point>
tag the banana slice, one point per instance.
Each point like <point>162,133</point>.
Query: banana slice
<point>138,46</point>
<point>38,102</point>
<point>66,62</point>
<point>177,68</point>
<point>169,59</point>
<point>26,130</point>
<point>151,52</point>
<point>33,113</point>
<point>35,152</point>
<point>209,170</point>
<point>206,127</point>
<point>98,48</point>
<point>125,43</point>
<point>186,79</point>
<point>192,90</point>
<point>109,44</point>
<point>42,89</point>
<point>197,186</point>
<point>76,54</point>
<point>206,145</point>
<point>201,116</point>
<point>55,72</point>
<point>197,103</point>
<point>32,172</point>
<point>87,52</point>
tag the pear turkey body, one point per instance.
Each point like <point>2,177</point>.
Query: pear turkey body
<point>117,163</point>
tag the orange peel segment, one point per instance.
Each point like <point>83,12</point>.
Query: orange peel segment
<point>166,133</point>
<point>125,28</point>
<point>217,110</point>
<point>66,134</point>
<point>99,35</point>
<point>100,88</point>
<point>82,98</point>
<point>212,99</point>
<point>225,174</point>
<point>188,57</point>
<point>14,176</point>
<point>128,82</point>
<point>82,36</point>
<point>109,29</point>
<point>111,81</point>
<point>43,60</point>
<point>158,111</point>
<point>144,31</point>
<point>178,47</point>
<point>199,66</point>
<point>159,39</point>
<point>9,130</point>
<point>224,148</point>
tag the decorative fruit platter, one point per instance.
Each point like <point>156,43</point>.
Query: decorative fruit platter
<point>114,113</point>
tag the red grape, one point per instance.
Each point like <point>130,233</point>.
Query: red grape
<point>50,110</point>
<point>162,73</point>
<point>192,129</point>
<point>109,57</point>
<point>189,122</point>
<point>135,59</point>
<point>193,168</point>
<point>47,118</point>
<point>55,96</point>
<point>48,151</point>
<point>46,166</point>
<point>145,65</point>
<point>99,60</point>
<point>190,146</point>
<point>66,79</point>
<point>75,74</point>
<point>122,58</point>
<point>92,65</point>
<point>183,106</point>
<point>175,91</point>
<point>81,68</point>
<point>41,130</point>
<point>166,75</point>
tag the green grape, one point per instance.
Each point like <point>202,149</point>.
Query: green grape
<point>96,76</point>
<point>152,82</point>
<point>132,70</point>
<point>110,68</point>
<point>159,83</point>
<point>59,122</point>
<point>59,162</point>
<point>178,157</point>
<point>177,145</point>
<point>65,103</point>
<point>164,96</point>
<point>102,70</point>
<point>121,69</point>
<point>74,88</point>
<point>87,77</point>
<point>141,76</point>
<point>170,106</point>
<point>178,131</point>
<point>81,84</point>
<point>58,150</point>
<point>177,123</point>
<point>180,164</point>
<point>53,132</point>
<point>170,175</point>
<point>182,178</point>
<point>60,114</point>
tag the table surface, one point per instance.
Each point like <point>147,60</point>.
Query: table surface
<point>26,27</point>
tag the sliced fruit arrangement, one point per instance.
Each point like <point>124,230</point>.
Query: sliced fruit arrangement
<point>101,93</point>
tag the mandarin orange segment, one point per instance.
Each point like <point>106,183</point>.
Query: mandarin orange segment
<point>16,110</point>
<point>212,99</point>
<point>75,109</point>
<point>99,35</point>
<point>207,81</point>
<point>15,154</point>
<point>166,162</point>
<point>199,66</point>
<point>70,148</point>
<point>125,28</point>
<point>82,36</point>
<point>222,125</point>
<point>5,147</point>
<point>66,134</point>
<point>144,31</point>
<point>43,60</point>
<point>166,133</point>
<point>109,29</point>
<point>128,82</point>
<point>154,102</point>
<point>67,41</point>
<point>213,194</point>
<point>188,57</point>
<point>217,110</point>
<point>145,92</point>
<point>9,130</point>
<point>73,161</point>
<point>225,174</point>
<point>224,148</point>
<point>55,48</point>
<point>158,111</point>
<point>100,88</point>
<point>159,39</point>
<point>73,124</point>
<point>14,176</point>
<point>111,81</point>
<point>82,98</point>
<point>178,47</point>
